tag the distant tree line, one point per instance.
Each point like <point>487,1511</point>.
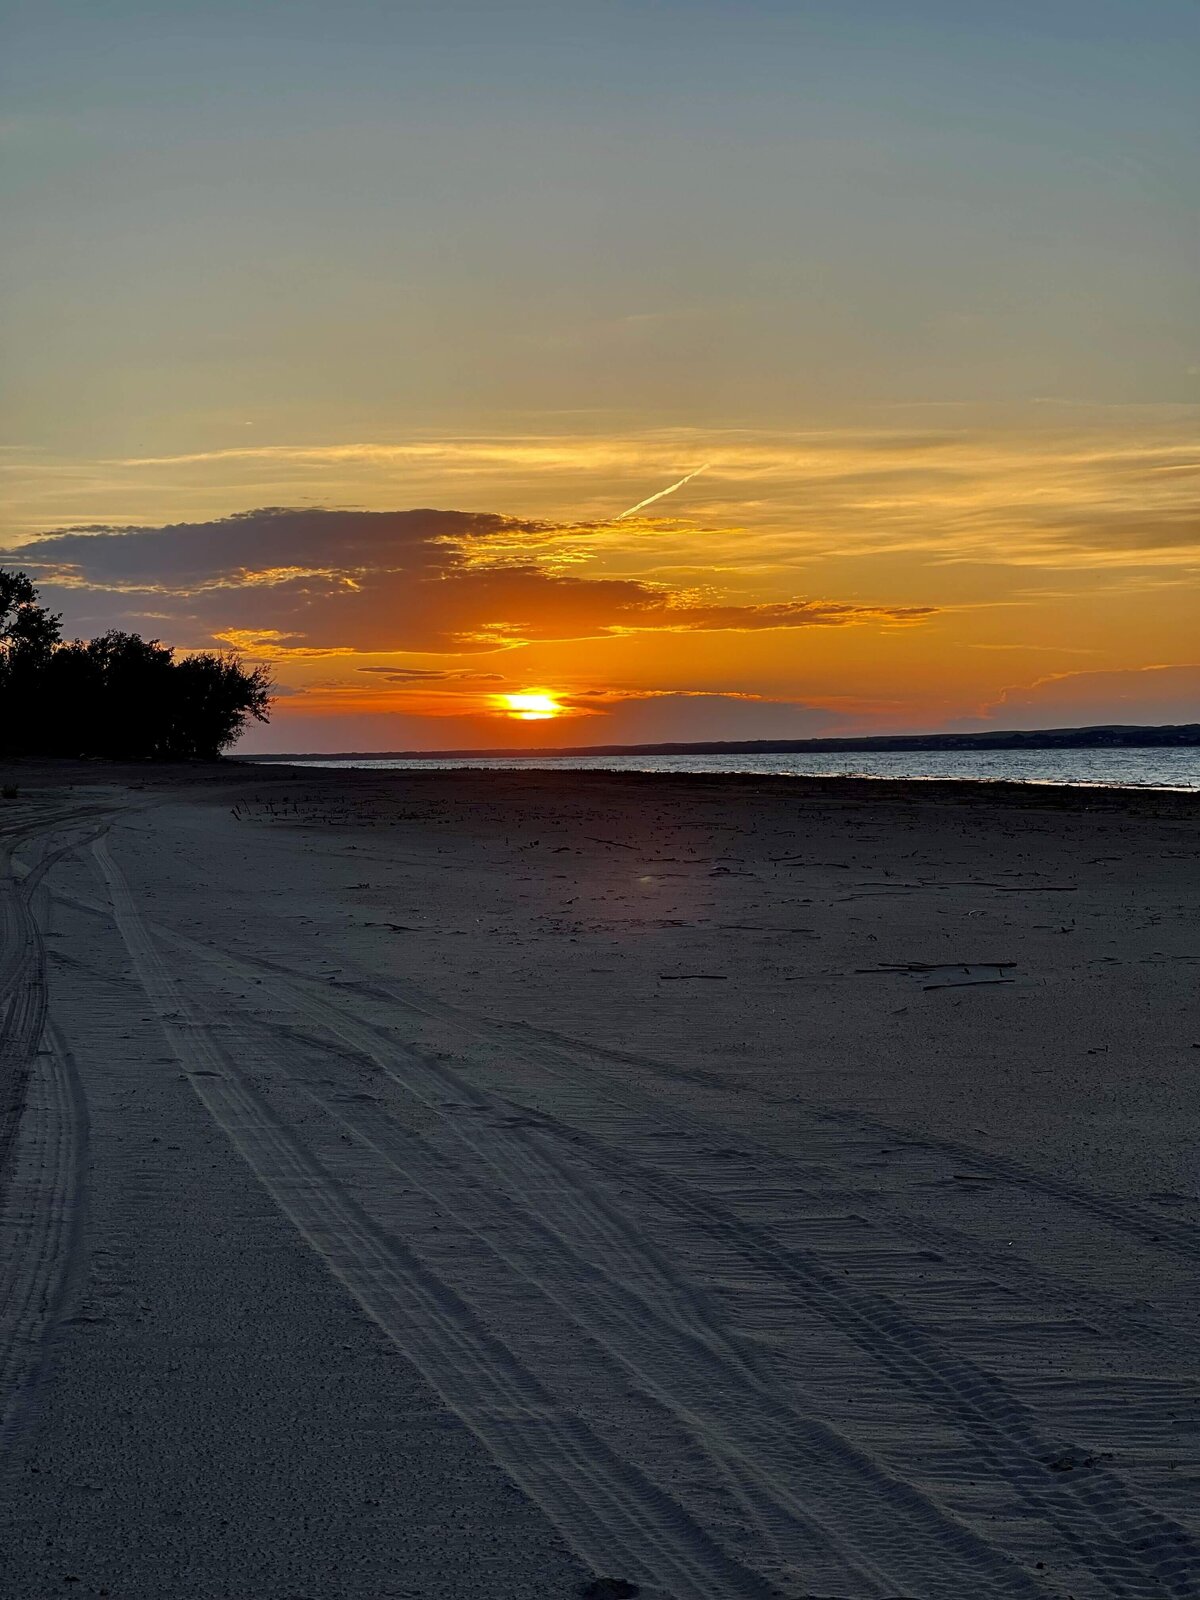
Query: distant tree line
<point>118,695</point>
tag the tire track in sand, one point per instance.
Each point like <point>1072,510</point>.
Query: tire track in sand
<point>1121,1216</point>
<point>23,961</point>
<point>22,999</point>
<point>565,1056</point>
<point>1149,1228</point>
<point>41,1231</point>
<point>1135,1558</point>
<point>616,1518</point>
<point>1129,1548</point>
<point>45,1140</point>
<point>805,1482</point>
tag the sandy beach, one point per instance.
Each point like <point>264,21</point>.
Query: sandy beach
<point>466,1185</point>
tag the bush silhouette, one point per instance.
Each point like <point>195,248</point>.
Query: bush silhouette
<point>117,695</point>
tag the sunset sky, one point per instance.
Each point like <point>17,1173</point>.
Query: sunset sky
<point>906,290</point>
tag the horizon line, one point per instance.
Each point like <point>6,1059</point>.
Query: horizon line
<point>980,739</point>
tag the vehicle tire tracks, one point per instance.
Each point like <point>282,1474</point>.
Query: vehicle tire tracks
<point>614,1516</point>
<point>41,1232</point>
<point>1130,1548</point>
<point>1096,1515</point>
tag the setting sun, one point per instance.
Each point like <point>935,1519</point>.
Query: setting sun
<point>531,707</point>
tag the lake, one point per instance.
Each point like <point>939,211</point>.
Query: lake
<point>1177,768</point>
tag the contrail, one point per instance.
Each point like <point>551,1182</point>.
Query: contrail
<point>670,489</point>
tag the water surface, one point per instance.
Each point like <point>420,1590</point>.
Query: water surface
<point>1177,768</point>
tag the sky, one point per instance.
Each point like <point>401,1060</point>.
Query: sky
<point>371,340</point>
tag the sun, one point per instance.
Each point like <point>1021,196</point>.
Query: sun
<point>531,707</point>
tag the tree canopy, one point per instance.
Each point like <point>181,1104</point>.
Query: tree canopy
<point>117,695</point>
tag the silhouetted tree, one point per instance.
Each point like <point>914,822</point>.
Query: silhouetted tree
<point>117,695</point>
<point>24,624</point>
<point>215,697</point>
<point>29,635</point>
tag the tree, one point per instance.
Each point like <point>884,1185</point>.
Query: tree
<point>215,698</point>
<point>25,626</point>
<point>28,636</point>
<point>117,695</point>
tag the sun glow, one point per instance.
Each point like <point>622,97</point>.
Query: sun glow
<point>531,707</point>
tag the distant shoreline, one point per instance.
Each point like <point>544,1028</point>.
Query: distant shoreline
<point>1100,737</point>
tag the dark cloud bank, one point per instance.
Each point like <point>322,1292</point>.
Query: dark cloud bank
<point>420,580</point>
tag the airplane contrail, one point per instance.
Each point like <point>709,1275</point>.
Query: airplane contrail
<point>670,489</point>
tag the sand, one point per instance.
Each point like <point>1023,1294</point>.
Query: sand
<point>479,1185</point>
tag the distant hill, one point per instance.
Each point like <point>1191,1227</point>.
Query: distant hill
<point>1106,736</point>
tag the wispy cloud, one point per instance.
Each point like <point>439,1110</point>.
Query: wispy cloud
<point>426,675</point>
<point>1121,495</point>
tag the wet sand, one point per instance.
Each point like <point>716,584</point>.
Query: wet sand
<point>475,1185</point>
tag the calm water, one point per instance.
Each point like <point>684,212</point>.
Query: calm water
<point>1132,769</point>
